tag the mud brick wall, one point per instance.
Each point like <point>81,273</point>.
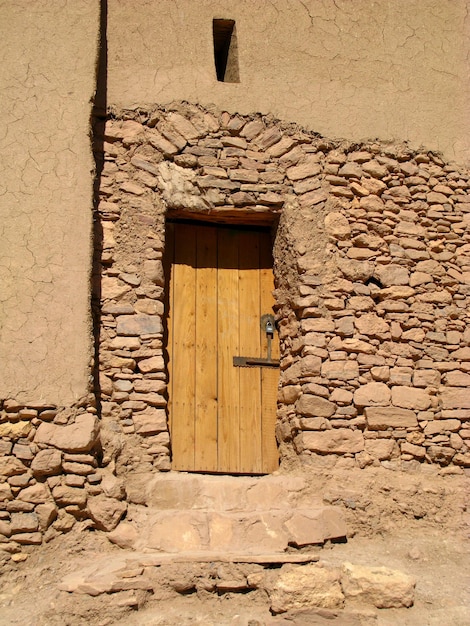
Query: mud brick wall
<point>371,248</point>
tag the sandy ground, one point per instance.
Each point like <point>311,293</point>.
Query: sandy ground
<point>29,592</point>
<point>423,534</point>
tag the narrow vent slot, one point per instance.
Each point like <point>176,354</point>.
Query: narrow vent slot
<point>225,51</point>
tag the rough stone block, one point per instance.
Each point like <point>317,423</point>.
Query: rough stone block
<point>341,396</point>
<point>150,422</point>
<point>310,366</point>
<point>417,452</point>
<point>15,430</point>
<point>411,398</point>
<point>77,437</point>
<point>441,454</point>
<point>184,532</point>
<point>356,345</point>
<point>154,364</point>
<point>11,466</point>
<point>5,528</point>
<point>455,398</point>
<point>302,587</point>
<point>183,126</point>
<point>27,539</point>
<point>427,378</point>
<point>317,325</point>
<point>259,532</point>
<point>125,535</point>
<point>153,270</point>
<point>384,588</point>
<point>65,496</point>
<point>393,274</point>
<point>337,226</point>
<point>381,418</point>
<point>340,370</point>
<point>113,487</point>
<point>372,394</point>
<point>142,164</point>
<point>289,394</point>
<point>457,379</point>
<point>441,426</point>
<point>310,167</point>
<point>46,514</point>
<point>24,522</point>
<point>106,512</point>
<point>82,469</point>
<point>136,325</point>
<point>160,143</point>
<point>462,459</point>
<point>312,198</point>
<point>37,494</point>
<point>381,449</point>
<point>372,325</point>
<point>336,441</point>
<point>5,492</point>
<point>47,462</point>
<point>313,406</point>
<point>357,271</point>
<point>315,526</point>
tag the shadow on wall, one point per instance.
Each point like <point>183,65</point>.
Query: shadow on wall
<point>98,121</point>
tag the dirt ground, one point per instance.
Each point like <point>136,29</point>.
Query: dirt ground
<point>420,530</point>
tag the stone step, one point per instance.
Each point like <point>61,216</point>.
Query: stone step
<point>179,490</point>
<point>249,531</point>
<point>178,512</point>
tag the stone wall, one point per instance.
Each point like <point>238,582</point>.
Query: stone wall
<point>372,267</point>
<point>372,270</point>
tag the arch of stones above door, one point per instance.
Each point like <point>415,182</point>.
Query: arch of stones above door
<point>220,282</point>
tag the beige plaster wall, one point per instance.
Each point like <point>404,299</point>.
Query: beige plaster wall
<point>48,52</point>
<point>355,69</point>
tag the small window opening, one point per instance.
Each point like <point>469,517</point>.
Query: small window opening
<point>225,51</point>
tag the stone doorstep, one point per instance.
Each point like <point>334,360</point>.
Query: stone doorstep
<point>180,490</point>
<point>250,532</point>
<point>181,512</point>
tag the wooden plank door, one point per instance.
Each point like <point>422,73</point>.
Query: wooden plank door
<point>222,417</point>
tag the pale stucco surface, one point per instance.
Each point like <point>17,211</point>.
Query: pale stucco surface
<point>354,69</point>
<point>48,52</point>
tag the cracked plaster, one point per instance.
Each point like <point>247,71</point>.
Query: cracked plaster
<point>356,70</point>
<point>48,53</point>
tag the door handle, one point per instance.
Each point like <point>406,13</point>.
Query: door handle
<point>268,325</point>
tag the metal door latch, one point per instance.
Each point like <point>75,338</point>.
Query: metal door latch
<point>268,325</point>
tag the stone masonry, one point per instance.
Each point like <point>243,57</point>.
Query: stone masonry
<point>372,261</point>
<point>372,268</point>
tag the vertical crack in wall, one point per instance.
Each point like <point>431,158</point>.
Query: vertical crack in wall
<point>98,121</point>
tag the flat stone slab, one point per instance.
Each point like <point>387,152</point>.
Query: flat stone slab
<point>130,570</point>
<point>249,531</point>
<point>227,557</point>
<point>179,490</point>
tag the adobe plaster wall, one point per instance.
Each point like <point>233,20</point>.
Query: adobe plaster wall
<point>355,70</point>
<point>48,53</point>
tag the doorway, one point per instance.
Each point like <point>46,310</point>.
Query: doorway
<point>223,349</point>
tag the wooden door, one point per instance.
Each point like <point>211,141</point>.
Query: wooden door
<point>222,416</point>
